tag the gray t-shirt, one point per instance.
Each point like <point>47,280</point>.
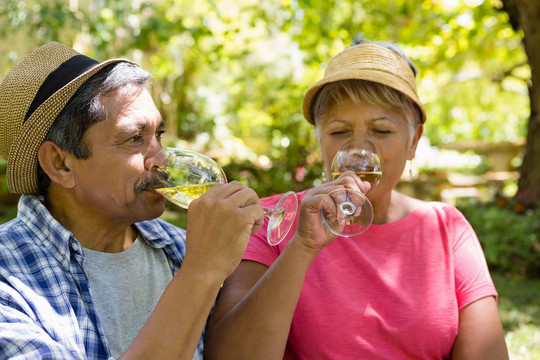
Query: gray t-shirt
<point>125,288</point>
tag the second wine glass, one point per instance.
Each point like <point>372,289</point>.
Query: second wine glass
<point>182,176</point>
<point>347,212</point>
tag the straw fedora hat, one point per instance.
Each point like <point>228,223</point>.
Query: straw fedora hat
<point>31,97</point>
<point>367,61</point>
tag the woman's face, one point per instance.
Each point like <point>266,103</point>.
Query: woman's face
<point>373,127</point>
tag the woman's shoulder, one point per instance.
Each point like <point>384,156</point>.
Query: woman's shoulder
<point>414,208</point>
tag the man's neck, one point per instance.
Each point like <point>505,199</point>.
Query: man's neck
<point>93,230</point>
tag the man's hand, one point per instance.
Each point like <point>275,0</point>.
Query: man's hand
<point>219,226</point>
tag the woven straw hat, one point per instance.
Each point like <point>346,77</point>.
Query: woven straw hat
<point>370,62</point>
<point>31,97</point>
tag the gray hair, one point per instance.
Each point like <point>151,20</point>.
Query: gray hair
<point>363,91</point>
<point>85,109</point>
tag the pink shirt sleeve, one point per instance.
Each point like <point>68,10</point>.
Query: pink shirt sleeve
<point>258,248</point>
<point>472,277</point>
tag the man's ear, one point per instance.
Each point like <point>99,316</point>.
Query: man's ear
<point>416,138</point>
<point>56,164</point>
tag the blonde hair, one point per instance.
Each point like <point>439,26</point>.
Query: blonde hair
<point>368,92</point>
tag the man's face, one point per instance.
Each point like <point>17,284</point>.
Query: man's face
<point>110,185</point>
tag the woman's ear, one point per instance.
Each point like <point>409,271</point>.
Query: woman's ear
<point>56,164</point>
<point>414,143</point>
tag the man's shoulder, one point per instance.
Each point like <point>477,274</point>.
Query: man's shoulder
<point>31,215</point>
<point>13,230</point>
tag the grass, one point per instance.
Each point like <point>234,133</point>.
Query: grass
<point>519,308</point>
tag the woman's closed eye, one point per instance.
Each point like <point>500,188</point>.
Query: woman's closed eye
<point>382,131</point>
<point>339,132</point>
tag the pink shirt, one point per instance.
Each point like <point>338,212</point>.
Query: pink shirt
<point>394,292</point>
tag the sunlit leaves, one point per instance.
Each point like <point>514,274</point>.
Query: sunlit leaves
<point>245,65</point>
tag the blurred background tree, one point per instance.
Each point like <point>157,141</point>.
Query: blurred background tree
<point>230,75</point>
<point>524,15</point>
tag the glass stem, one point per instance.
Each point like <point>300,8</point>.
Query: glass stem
<point>268,212</point>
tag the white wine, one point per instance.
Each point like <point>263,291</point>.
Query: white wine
<point>183,195</point>
<point>372,177</point>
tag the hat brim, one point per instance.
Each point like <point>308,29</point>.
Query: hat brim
<point>368,75</point>
<point>22,166</point>
<point>371,63</point>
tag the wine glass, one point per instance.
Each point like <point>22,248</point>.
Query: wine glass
<point>182,176</point>
<point>348,212</point>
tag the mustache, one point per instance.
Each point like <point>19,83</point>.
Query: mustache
<point>154,181</point>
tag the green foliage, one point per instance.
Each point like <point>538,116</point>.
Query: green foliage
<point>175,215</point>
<point>275,179</point>
<point>245,65</point>
<point>511,241</point>
<point>519,310</point>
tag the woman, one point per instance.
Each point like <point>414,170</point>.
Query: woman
<point>414,285</point>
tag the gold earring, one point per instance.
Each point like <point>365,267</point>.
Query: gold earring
<point>411,171</point>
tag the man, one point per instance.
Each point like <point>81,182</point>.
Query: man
<point>86,269</point>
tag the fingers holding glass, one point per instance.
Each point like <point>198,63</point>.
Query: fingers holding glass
<point>348,212</point>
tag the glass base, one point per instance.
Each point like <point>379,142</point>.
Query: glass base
<point>282,218</point>
<point>347,213</point>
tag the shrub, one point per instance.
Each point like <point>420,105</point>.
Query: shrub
<point>511,241</point>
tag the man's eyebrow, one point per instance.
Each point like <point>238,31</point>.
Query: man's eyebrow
<point>132,128</point>
<point>142,126</point>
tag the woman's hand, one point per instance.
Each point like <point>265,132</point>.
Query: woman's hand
<point>311,232</point>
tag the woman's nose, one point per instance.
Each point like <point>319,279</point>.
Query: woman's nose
<point>363,142</point>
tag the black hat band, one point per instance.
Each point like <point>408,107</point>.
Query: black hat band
<point>66,72</point>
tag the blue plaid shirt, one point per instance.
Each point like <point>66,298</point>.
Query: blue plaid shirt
<point>46,311</point>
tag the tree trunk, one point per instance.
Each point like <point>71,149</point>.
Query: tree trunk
<point>525,15</point>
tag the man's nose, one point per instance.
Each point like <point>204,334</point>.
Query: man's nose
<point>156,157</point>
